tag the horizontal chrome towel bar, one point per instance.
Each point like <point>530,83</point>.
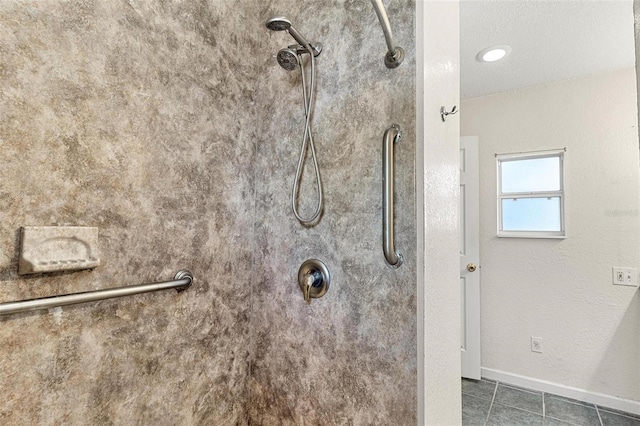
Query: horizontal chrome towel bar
<point>391,136</point>
<point>181,281</point>
<point>395,55</point>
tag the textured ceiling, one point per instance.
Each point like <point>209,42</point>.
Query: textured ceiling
<point>550,41</point>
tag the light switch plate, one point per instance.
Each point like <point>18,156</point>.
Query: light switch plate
<point>625,276</point>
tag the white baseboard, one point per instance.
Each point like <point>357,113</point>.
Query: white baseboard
<point>599,399</point>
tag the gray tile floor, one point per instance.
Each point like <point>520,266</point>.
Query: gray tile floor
<point>487,403</point>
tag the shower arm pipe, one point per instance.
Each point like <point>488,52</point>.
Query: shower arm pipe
<point>182,281</point>
<point>395,54</point>
<point>391,136</point>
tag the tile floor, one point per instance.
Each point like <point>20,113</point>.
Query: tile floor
<point>487,403</point>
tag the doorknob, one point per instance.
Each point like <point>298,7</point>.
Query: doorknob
<point>471,267</point>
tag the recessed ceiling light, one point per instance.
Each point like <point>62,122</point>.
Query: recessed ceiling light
<point>493,53</point>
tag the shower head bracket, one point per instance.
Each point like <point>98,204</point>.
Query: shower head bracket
<point>316,47</point>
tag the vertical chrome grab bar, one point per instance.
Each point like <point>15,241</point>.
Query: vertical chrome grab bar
<point>391,136</point>
<point>395,55</point>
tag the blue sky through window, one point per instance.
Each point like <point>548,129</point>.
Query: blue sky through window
<point>535,174</point>
<point>531,214</point>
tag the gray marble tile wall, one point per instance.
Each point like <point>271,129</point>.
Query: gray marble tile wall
<point>350,357</point>
<point>170,127</point>
<point>138,118</point>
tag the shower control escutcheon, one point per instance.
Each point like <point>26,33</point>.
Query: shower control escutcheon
<point>314,279</point>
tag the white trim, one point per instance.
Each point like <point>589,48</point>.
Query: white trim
<point>532,234</point>
<point>420,211</point>
<point>599,399</point>
<point>530,154</point>
<point>437,70</point>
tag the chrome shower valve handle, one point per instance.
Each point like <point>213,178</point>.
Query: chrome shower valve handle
<point>309,277</point>
<point>313,279</point>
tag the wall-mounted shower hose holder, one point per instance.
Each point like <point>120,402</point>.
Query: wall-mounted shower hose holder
<point>314,279</point>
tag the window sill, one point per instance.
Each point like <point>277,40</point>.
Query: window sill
<point>539,235</point>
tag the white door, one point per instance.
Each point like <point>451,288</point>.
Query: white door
<point>469,257</point>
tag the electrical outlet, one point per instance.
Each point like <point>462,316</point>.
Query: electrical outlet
<point>625,276</point>
<point>536,344</point>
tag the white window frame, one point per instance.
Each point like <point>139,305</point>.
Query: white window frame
<point>500,158</point>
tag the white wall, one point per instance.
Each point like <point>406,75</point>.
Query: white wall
<point>437,177</point>
<point>561,290</point>
<point>636,32</point>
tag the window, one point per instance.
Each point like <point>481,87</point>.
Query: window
<point>531,195</point>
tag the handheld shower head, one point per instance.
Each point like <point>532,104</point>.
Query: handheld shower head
<point>288,59</point>
<point>280,23</point>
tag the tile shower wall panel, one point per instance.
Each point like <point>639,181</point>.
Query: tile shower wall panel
<point>138,118</point>
<point>142,118</point>
<point>350,357</point>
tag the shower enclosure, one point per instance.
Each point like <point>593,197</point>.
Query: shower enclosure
<point>309,360</point>
<point>170,127</point>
